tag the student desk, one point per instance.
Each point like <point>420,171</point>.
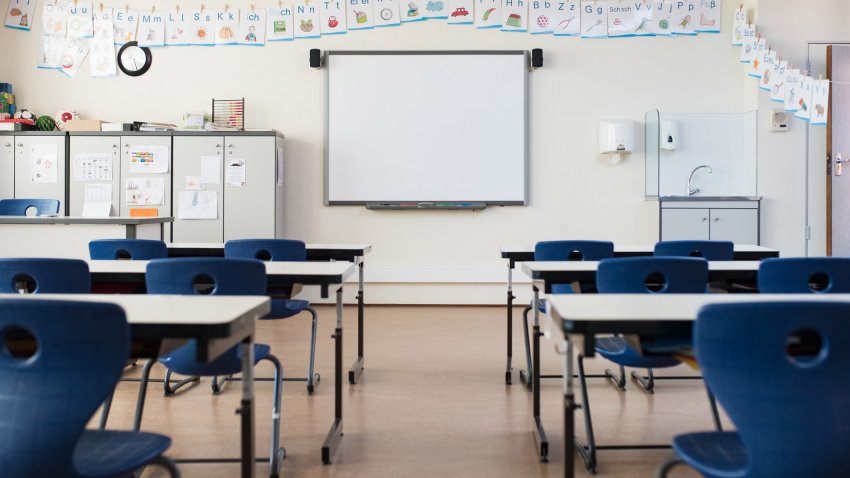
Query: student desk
<point>546,273</point>
<point>516,254</point>
<point>322,274</point>
<point>642,314</point>
<point>161,323</point>
<point>38,236</point>
<point>315,252</point>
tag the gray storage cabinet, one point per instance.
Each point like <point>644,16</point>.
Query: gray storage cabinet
<point>16,179</point>
<point>736,221</point>
<point>93,144</point>
<point>128,144</point>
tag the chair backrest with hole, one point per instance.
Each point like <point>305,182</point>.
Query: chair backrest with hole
<point>44,276</point>
<point>572,251</point>
<point>133,249</point>
<point>709,250</point>
<point>206,276</point>
<point>288,250</point>
<point>780,371</point>
<point>19,207</point>
<point>805,274</point>
<point>59,361</point>
<point>637,275</point>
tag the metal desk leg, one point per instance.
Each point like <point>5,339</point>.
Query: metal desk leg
<point>511,298</point>
<point>539,432</point>
<point>569,411</point>
<point>357,368</point>
<point>247,407</point>
<point>335,433</point>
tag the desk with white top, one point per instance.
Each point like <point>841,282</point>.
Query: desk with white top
<point>642,314</point>
<point>323,274</point>
<point>315,252</point>
<point>161,323</point>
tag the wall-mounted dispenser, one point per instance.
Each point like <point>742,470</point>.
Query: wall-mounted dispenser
<point>616,137</point>
<point>669,135</point>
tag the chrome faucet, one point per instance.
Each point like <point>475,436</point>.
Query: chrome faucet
<point>692,190</point>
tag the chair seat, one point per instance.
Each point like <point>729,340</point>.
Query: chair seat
<point>714,454</point>
<point>105,454</point>
<point>618,351</point>
<point>285,308</point>
<point>183,361</point>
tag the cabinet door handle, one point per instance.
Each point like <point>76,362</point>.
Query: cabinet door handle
<point>704,219</point>
<point>20,145</point>
<point>218,146</point>
<point>114,145</point>
<point>229,145</point>
<point>716,219</point>
<point>8,145</point>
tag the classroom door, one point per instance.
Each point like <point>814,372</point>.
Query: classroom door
<point>838,151</point>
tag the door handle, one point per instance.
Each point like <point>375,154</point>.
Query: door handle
<point>838,161</point>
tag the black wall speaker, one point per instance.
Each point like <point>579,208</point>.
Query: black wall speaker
<point>536,57</point>
<point>315,58</point>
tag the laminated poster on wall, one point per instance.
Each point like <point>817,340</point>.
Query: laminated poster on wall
<point>126,22</point>
<point>279,25</point>
<point>514,16</point>
<point>226,27</point>
<point>684,15</point>
<point>438,9</point>
<point>359,15</point>
<point>43,163</point>
<point>203,28</point>
<point>540,16</point>
<point>252,27</point>
<point>661,21</point>
<point>780,78</point>
<point>50,52</point>
<point>767,68</point>
<point>97,200</point>
<point>621,20</point>
<point>234,173</point>
<point>792,90</point>
<point>102,60</point>
<point>73,54</point>
<point>388,12</point>
<point>820,102</point>
<point>748,46</point>
<point>488,13</point>
<point>179,28</point>
<point>197,205</point>
<point>80,22</point>
<point>594,19</point>
<point>211,169</point>
<point>807,88</point>
<point>145,191</point>
<point>642,15</point>
<point>462,12</point>
<point>54,18</point>
<point>151,29</point>
<point>333,14</point>
<point>738,26</point>
<point>306,19</point>
<point>709,13</point>
<point>758,57</point>
<point>92,167</point>
<point>566,18</point>
<point>20,13</point>
<point>148,160</point>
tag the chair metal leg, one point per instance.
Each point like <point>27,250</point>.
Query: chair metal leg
<point>168,464</point>
<point>104,412</point>
<point>646,383</point>
<point>169,390</point>
<point>668,465</point>
<point>525,375</point>
<point>714,413</point>
<point>278,453</point>
<point>218,385</point>
<point>618,381</point>
<point>312,377</point>
<point>588,452</point>
<point>143,390</point>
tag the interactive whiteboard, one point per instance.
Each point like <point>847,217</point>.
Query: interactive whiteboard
<point>439,126</point>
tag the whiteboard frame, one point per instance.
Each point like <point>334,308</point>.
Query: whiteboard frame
<point>326,65</point>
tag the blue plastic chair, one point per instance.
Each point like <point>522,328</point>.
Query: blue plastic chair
<point>61,360</point>
<point>211,276</point>
<point>568,250</point>
<point>797,429</point>
<point>284,250</point>
<point>708,250</point>
<point>801,275</point>
<point>18,207</point>
<point>638,275</point>
<point>44,276</point>
<point>133,249</point>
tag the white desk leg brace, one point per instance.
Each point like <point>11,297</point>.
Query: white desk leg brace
<point>247,408</point>
<point>539,432</point>
<point>335,433</point>
<point>569,410</point>
<point>508,368</point>
<point>357,368</point>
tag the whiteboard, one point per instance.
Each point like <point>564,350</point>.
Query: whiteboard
<point>426,126</point>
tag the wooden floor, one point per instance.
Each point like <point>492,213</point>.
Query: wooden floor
<point>432,402</point>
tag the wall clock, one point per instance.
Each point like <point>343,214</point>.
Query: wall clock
<point>134,60</point>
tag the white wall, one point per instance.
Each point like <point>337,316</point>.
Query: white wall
<point>574,192</point>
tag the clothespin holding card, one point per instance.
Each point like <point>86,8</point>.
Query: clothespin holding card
<point>226,7</point>
<point>177,8</point>
<point>127,8</point>
<point>101,8</point>
<point>252,8</point>
<point>153,9</point>
<point>202,8</point>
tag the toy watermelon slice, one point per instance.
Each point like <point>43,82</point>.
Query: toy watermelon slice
<point>45,123</point>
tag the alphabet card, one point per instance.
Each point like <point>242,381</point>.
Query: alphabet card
<point>738,26</point>
<point>594,19</point>
<point>151,29</point>
<point>54,18</point>
<point>178,28</point>
<point>709,13</point>
<point>334,14</point>
<point>202,30</point>
<point>226,26</point>
<point>80,20</point>
<point>662,18</point>
<point>50,52</point>
<point>387,13</point>
<point>413,11</point>
<point>102,25</point>
<point>307,20</point>
<point>514,16</point>
<point>749,45</point>
<point>279,26</point>
<point>820,102</point>
<point>488,13</point>
<point>758,57</point>
<point>540,16</point>
<point>684,13</point>
<point>438,8</point>
<point>642,18</point>
<point>767,70</point>
<point>252,27</point>
<point>73,54</point>
<point>125,22</point>
<point>792,90</point>
<point>780,77</point>
<point>20,13</point>
<point>360,15</point>
<point>566,20</point>
<point>102,62</point>
<point>621,19</point>
<point>804,101</point>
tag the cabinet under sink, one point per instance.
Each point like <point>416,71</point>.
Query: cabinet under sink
<point>733,219</point>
